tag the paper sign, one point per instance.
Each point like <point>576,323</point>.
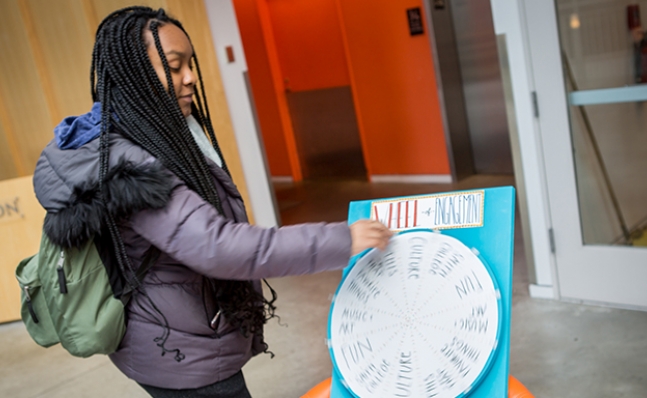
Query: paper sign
<point>456,210</point>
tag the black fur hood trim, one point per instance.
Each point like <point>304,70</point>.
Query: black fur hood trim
<point>129,188</point>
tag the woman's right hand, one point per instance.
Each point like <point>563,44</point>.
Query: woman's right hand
<point>367,234</point>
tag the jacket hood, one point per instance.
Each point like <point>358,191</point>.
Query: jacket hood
<point>66,183</point>
<point>76,131</point>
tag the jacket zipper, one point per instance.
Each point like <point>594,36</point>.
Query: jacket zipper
<point>215,321</point>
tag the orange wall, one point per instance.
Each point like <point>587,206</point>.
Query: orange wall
<point>394,88</point>
<point>263,88</point>
<point>391,73</point>
<point>309,44</point>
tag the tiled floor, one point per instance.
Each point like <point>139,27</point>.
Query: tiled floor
<point>558,350</point>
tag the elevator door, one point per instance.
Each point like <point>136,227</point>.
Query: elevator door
<point>472,90</point>
<point>482,86</point>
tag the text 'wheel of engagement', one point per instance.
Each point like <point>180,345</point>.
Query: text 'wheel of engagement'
<point>420,319</point>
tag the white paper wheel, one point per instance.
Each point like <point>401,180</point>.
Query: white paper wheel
<point>420,319</point>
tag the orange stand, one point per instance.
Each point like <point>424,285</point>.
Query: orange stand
<point>515,390</point>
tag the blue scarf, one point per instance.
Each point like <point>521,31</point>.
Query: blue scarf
<point>75,131</point>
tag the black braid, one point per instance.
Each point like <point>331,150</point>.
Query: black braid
<point>135,103</point>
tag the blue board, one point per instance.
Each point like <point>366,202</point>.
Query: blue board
<point>494,240</point>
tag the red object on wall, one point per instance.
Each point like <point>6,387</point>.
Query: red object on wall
<point>640,45</point>
<point>643,62</point>
<point>633,16</point>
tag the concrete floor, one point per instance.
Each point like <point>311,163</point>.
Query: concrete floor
<point>558,350</point>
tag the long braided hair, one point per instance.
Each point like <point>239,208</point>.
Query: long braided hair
<point>135,103</point>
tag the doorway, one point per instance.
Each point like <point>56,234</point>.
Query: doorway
<point>314,71</point>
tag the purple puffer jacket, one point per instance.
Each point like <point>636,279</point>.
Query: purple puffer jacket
<point>156,208</point>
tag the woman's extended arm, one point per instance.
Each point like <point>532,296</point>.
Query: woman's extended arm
<point>192,232</point>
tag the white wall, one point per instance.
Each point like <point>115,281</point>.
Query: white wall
<point>225,33</point>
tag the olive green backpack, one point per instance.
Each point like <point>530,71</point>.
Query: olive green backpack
<point>67,298</point>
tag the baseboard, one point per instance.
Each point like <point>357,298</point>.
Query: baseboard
<point>605,304</point>
<point>413,178</point>
<point>542,292</point>
<point>282,179</point>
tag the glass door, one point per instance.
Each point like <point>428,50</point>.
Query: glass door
<point>589,61</point>
<point>602,48</point>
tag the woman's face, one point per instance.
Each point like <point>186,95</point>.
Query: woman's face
<point>178,51</point>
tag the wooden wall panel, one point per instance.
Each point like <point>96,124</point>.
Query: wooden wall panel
<point>21,220</point>
<point>7,165</point>
<point>9,153</point>
<point>61,35</point>
<point>25,115</point>
<point>102,8</point>
<point>193,16</point>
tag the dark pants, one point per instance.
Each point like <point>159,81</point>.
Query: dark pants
<point>233,387</point>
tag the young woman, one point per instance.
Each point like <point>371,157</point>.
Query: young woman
<point>139,175</point>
